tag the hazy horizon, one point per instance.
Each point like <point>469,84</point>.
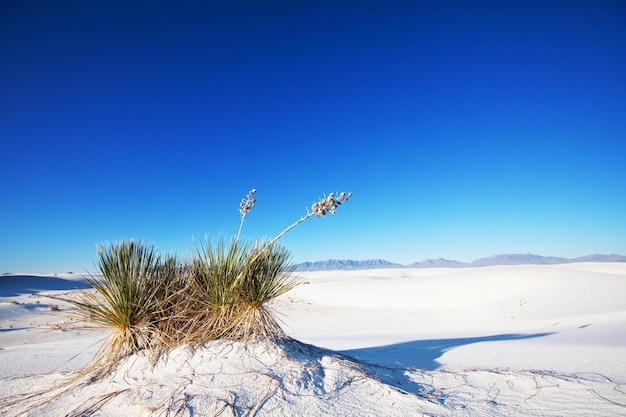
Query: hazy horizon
<point>463,129</point>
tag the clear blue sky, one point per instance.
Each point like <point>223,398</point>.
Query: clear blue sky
<point>463,128</point>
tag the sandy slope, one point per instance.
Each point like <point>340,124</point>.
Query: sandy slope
<point>488,317</point>
<point>501,341</point>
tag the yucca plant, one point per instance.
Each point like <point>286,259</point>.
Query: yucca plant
<point>171,282</point>
<point>212,301</point>
<point>230,288</point>
<point>223,291</point>
<point>131,297</point>
<point>268,275</point>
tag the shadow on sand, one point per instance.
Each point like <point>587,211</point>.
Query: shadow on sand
<point>14,285</point>
<point>389,363</point>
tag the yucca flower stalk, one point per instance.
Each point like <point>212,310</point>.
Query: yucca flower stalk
<point>267,276</point>
<point>244,208</point>
<point>318,209</point>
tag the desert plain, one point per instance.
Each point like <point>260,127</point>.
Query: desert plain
<point>521,340</point>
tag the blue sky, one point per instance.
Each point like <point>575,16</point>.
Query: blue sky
<point>464,129</point>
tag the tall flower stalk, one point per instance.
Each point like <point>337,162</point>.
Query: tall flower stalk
<point>319,208</point>
<point>244,208</point>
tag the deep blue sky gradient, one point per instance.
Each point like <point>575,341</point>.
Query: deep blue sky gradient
<point>463,129</point>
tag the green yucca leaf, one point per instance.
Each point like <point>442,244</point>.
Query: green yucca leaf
<point>268,274</point>
<point>129,284</point>
<point>213,269</point>
<point>133,294</point>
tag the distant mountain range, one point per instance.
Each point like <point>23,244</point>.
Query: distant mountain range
<point>346,264</point>
<point>503,259</point>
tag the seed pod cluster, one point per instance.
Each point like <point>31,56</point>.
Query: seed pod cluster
<point>329,204</point>
<point>247,203</point>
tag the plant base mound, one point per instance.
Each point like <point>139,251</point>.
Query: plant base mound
<point>227,378</point>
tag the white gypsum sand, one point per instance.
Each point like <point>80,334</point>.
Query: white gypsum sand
<point>502,341</point>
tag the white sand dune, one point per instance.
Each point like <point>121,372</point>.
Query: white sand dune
<point>497,341</point>
<point>20,284</point>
